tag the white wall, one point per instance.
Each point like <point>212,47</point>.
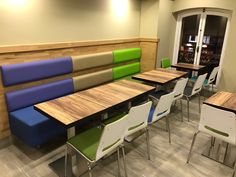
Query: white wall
<point>149,18</point>
<point>45,21</point>
<point>165,24</point>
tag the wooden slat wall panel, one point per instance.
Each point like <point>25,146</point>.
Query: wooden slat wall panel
<point>26,53</point>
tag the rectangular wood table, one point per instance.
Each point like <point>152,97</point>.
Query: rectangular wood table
<point>223,100</point>
<point>188,66</point>
<point>70,109</point>
<point>160,76</point>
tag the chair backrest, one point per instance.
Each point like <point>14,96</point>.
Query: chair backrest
<point>218,123</point>
<point>165,63</point>
<point>163,106</point>
<point>213,75</point>
<point>137,118</point>
<point>198,84</point>
<point>112,136</point>
<point>179,88</point>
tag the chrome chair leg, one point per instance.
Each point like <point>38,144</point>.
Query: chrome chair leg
<point>168,127</point>
<point>199,102</point>
<point>182,116</point>
<point>148,143</point>
<point>234,168</point>
<point>118,161</point>
<point>191,148</point>
<point>89,170</point>
<point>66,160</point>
<point>188,107</point>
<point>123,152</point>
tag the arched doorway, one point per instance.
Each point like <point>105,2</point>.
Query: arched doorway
<point>200,37</point>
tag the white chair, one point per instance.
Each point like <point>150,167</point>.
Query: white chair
<point>218,123</point>
<point>137,120</point>
<point>189,92</point>
<point>96,143</point>
<point>160,109</point>
<point>179,92</point>
<point>211,79</point>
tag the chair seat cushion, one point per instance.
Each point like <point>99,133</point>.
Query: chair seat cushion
<point>87,142</point>
<point>114,118</point>
<point>33,127</point>
<point>194,78</point>
<point>159,93</point>
<point>151,114</point>
<point>188,91</point>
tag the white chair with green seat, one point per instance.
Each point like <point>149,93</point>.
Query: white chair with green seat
<point>137,120</point>
<point>219,124</point>
<point>189,92</point>
<point>95,143</point>
<point>160,109</point>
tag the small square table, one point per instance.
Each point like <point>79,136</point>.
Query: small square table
<point>188,66</point>
<point>160,76</point>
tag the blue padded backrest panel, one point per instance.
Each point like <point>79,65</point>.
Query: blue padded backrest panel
<point>30,96</point>
<point>32,71</point>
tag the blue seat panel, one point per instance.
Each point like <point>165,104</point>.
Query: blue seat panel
<point>31,71</point>
<point>32,127</point>
<point>30,96</point>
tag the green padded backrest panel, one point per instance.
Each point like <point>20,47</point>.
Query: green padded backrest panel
<point>126,55</point>
<point>92,60</point>
<point>125,70</point>
<point>92,79</point>
<point>165,63</point>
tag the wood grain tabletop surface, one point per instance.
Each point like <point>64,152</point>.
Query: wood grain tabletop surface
<point>188,66</point>
<point>223,100</point>
<point>72,108</point>
<point>160,75</point>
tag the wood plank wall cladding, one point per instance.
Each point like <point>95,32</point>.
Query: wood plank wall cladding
<point>26,53</point>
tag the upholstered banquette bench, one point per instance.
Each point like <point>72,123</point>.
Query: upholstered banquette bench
<point>32,127</point>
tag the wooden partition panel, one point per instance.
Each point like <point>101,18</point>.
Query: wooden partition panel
<point>26,53</point>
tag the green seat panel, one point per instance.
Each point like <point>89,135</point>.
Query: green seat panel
<point>113,119</point>
<point>87,142</point>
<point>125,70</point>
<point>126,55</point>
<point>165,63</point>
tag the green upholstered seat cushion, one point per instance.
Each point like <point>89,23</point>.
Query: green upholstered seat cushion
<point>125,70</point>
<point>87,142</point>
<point>114,118</point>
<point>126,55</point>
<point>165,63</point>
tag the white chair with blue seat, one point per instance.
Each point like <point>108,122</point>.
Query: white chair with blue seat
<point>189,92</point>
<point>217,123</point>
<point>160,109</point>
<point>95,143</point>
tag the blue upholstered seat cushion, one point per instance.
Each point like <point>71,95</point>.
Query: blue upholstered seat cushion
<point>32,127</point>
<point>151,114</point>
<point>30,96</point>
<point>31,71</point>
<point>194,78</point>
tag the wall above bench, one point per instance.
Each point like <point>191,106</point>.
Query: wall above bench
<point>26,53</point>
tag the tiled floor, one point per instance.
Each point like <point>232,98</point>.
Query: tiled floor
<point>167,160</point>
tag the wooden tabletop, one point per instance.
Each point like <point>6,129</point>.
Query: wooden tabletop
<point>71,108</point>
<point>223,100</point>
<point>160,76</point>
<point>188,66</point>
